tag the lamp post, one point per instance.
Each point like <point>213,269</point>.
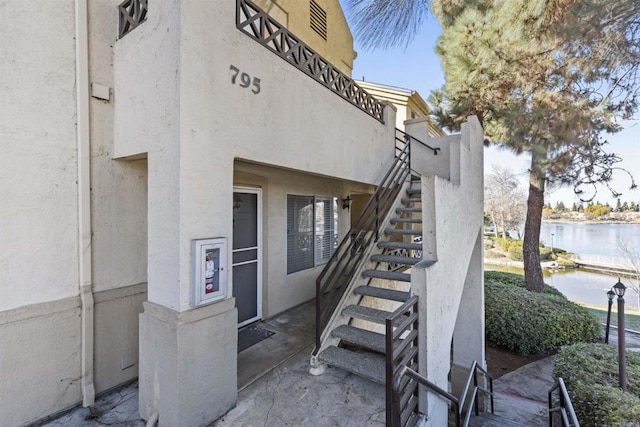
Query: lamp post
<point>552,242</point>
<point>619,289</point>
<point>610,295</point>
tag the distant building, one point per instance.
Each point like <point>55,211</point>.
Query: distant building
<point>409,104</point>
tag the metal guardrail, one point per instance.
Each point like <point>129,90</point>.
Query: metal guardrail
<point>405,374</point>
<point>401,374</point>
<point>564,407</point>
<point>132,13</point>
<point>473,402</point>
<point>334,279</point>
<point>261,27</point>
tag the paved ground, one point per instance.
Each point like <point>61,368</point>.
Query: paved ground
<point>288,395</point>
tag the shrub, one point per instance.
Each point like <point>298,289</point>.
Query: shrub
<point>590,372</point>
<point>544,252</point>
<point>516,280</point>
<point>533,323</point>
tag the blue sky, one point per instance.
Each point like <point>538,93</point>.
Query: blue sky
<point>418,67</point>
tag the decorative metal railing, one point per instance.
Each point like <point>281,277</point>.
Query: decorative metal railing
<point>132,14</point>
<point>261,27</point>
<point>401,355</point>
<point>334,279</point>
<point>563,407</point>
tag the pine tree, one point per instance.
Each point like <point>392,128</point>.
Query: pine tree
<point>545,77</point>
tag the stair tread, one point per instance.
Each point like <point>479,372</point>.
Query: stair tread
<point>405,220</point>
<point>387,275</point>
<point>383,293</point>
<point>367,365</point>
<point>403,231</point>
<point>395,259</point>
<point>487,419</point>
<point>408,210</point>
<point>411,200</point>
<point>401,245</point>
<point>360,337</point>
<point>366,313</point>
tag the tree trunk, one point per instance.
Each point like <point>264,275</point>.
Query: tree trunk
<point>535,204</point>
<point>495,225</point>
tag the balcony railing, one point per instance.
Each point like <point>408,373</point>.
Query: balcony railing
<point>132,13</point>
<point>261,27</point>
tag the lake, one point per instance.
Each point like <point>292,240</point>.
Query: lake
<point>589,238</point>
<point>582,285</point>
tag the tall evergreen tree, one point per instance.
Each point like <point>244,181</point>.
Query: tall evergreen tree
<point>545,77</point>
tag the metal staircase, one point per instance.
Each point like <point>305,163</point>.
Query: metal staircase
<point>379,290</point>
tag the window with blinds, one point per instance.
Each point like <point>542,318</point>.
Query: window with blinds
<point>312,231</point>
<point>318,19</point>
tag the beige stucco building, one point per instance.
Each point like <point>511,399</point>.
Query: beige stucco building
<point>142,141</point>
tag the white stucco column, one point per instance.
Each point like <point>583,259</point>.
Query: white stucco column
<point>468,335</point>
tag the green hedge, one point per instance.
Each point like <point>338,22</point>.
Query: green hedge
<point>590,372</point>
<point>533,323</point>
<point>514,248</point>
<point>516,280</point>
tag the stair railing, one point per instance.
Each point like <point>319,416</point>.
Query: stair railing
<point>334,279</point>
<point>473,402</point>
<point>401,354</point>
<point>564,407</point>
<point>339,271</point>
<point>405,389</point>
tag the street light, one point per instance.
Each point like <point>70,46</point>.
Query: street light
<point>552,242</point>
<point>610,295</point>
<point>619,289</point>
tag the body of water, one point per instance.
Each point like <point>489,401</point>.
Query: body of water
<point>589,238</point>
<point>581,285</point>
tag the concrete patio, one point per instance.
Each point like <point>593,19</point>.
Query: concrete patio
<point>276,388</point>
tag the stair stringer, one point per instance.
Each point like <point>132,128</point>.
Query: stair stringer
<point>350,297</point>
<point>452,209</point>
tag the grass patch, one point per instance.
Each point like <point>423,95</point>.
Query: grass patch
<point>631,316</point>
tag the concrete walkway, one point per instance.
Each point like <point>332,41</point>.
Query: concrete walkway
<point>287,395</point>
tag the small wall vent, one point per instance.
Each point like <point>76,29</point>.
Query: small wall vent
<point>318,19</point>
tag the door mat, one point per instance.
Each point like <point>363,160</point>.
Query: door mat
<point>251,336</point>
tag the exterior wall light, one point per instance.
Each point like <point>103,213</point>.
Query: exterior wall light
<point>346,202</point>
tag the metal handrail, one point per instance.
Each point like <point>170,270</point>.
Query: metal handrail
<point>475,367</point>
<point>406,371</point>
<point>459,403</point>
<point>565,407</point>
<point>334,279</point>
<point>406,136</point>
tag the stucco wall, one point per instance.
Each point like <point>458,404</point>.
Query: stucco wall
<point>39,360</point>
<point>294,122</point>
<point>116,335</point>
<point>452,224</point>
<point>38,167</point>
<point>282,291</point>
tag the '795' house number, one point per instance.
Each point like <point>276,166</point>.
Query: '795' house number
<point>245,80</point>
